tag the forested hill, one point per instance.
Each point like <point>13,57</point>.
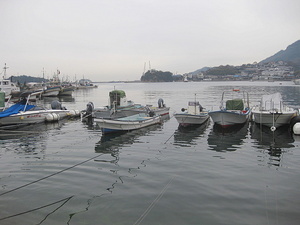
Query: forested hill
<point>157,76</point>
<point>291,54</point>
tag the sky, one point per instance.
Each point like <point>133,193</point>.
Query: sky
<point>117,40</point>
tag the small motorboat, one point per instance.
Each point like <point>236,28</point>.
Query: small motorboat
<point>119,107</point>
<point>193,115</point>
<point>234,110</point>
<point>128,123</point>
<point>160,110</point>
<point>23,113</point>
<point>271,111</point>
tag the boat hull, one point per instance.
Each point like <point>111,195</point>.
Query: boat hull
<point>229,118</point>
<point>272,119</point>
<point>185,119</point>
<point>31,117</point>
<point>51,93</point>
<point>156,110</point>
<point>66,91</point>
<point>124,124</point>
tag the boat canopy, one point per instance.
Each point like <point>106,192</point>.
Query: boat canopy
<point>118,93</point>
<point>270,102</point>
<point>235,104</point>
<point>16,108</point>
<point>115,97</point>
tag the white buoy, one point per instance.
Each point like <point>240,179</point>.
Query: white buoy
<point>273,128</point>
<point>55,117</point>
<point>49,117</point>
<point>296,128</point>
<point>77,112</point>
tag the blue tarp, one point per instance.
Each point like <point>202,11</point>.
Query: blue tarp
<point>16,108</point>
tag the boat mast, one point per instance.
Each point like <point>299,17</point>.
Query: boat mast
<point>5,67</point>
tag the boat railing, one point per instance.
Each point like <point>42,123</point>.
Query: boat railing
<point>272,106</point>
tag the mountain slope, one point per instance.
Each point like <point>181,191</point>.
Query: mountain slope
<point>291,54</point>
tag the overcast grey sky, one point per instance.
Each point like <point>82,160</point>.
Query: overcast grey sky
<point>107,40</point>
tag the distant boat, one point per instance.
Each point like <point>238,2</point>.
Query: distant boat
<point>66,90</point>
<point>51,91</point>
<point>126,123</point>
<point>272,112</point>
<point>7,86</point>
<point>85,84</point>
<point>233,111</point>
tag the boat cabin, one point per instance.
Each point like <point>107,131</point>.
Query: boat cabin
<point>194,108</point>
<point>117,98</point>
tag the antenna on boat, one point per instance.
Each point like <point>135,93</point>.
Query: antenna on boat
<point>5,67</point>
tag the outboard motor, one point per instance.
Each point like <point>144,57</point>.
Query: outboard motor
<point>89,108</point>
<point>56,105</point>
<point>88,115</point>
<point>151,113</point>
<point>160,103</point>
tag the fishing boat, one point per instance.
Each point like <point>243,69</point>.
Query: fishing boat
<point>23,113</point>
<point>51,91</point>
<point>234,109</point>
<point>160,110</point>
<point>66,90</point>
<point>272,112</point>
<point>7,86</point>
<point>85,84</point>
<point>128,123</point>
<point>117,103</point>
<point>193,115</point>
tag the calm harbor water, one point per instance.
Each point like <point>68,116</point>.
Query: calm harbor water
<point>68,173</point>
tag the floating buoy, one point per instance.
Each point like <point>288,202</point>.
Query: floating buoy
<point>56,117</point>
<point>49,117</point>
<point>296,128</point>
<point>77,112</point>
<point>273,128</point>
<point>72,112</point>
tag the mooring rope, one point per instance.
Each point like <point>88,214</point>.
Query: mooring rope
<point>51,175</point>
<point>159,196</point>
<point>65,200</point>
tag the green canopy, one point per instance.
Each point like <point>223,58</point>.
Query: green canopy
<point>235,104</point>
<point>118,93</point>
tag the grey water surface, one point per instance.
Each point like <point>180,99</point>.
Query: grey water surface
<point>68,173</point>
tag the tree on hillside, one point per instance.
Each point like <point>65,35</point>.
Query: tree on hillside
<point>223,70</point>
<point>157,76</point>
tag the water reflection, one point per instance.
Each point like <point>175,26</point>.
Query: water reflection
<point>186,136</point>
<point>111,143</point>
<point>273,142</point>
<point>27,140</point>
<point>227,139</point>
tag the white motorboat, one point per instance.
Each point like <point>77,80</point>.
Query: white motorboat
<point>25,113</point>
<point>160,110</point>
<point>85,84</point>
<point>235,110</point>
<point>194,115</point>
<point>7,86</point>
<point>272,112</point>
<point>128,123</point>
